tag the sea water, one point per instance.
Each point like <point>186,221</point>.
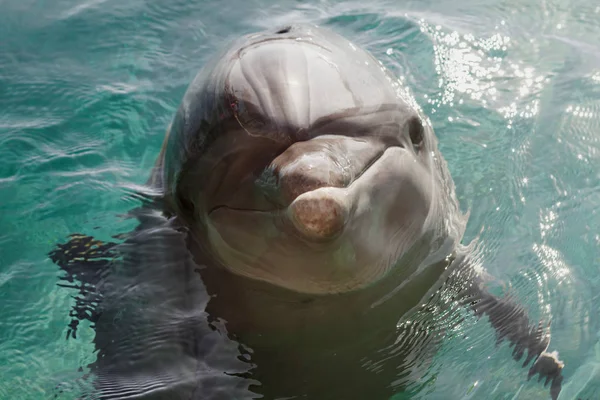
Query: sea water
<point>512,88</point>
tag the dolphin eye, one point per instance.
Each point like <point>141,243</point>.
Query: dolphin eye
<point>416,132</point>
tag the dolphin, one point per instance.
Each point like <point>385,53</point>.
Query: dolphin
<point>302,241</point>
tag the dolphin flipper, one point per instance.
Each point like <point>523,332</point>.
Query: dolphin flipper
<point>147,304</point>
<point>511,322</point>
<point>86,261</point>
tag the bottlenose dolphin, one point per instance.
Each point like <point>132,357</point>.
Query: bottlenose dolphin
<point>305,238</point>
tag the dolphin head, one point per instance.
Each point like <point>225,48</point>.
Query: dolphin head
<point>300,161</point>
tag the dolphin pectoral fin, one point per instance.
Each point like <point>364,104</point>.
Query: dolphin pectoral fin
<point>549,366</point>
<point>86,262</point>
<point>511,322</point>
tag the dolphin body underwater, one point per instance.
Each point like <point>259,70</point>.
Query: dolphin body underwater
<point>302,239</point>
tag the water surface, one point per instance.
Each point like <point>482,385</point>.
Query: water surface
<point>87,90</point>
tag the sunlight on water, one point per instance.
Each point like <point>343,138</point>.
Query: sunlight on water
<point>475,67</point>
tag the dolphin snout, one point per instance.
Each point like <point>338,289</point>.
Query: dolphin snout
<point>309,172</point>
<point>310,181</point>
<point>320,214</point>
<point>304,173</point>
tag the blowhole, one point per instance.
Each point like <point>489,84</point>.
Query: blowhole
<point>284,30</point>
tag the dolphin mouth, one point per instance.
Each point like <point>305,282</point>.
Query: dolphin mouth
<point>282,209</point>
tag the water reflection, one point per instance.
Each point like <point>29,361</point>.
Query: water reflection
<point>477,68</point>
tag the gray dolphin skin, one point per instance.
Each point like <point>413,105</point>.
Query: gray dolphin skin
<point>305,241</point>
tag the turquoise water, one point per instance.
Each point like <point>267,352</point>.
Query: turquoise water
<point>512,88</point>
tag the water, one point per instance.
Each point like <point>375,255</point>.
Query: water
<point>512,88</point>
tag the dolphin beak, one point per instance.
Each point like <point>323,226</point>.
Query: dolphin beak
<point>312,181</point>
<point>319,215</point>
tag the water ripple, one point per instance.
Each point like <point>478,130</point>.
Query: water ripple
<point>513,91</point>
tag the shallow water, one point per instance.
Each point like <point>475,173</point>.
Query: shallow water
<point>512,88</point>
